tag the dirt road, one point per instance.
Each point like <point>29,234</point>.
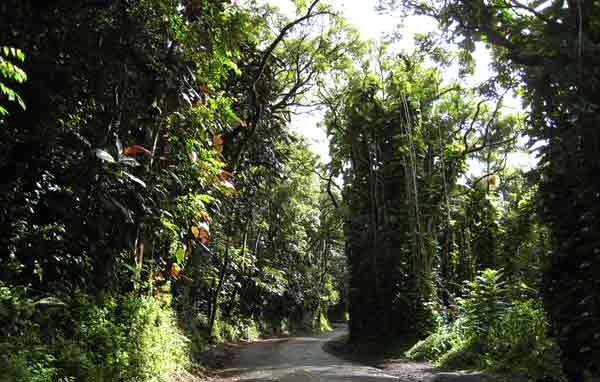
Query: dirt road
<point>302,359</point>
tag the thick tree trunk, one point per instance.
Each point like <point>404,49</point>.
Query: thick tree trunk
<point>571,283</point>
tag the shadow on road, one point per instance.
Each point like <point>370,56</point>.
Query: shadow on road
<point>302,359</point>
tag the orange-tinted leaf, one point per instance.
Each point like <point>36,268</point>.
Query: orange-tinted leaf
<point>160,276</point>
<point>175,271</point>
<point>135,149</point>
<point>218,143</point>
<point>218,140</point>
<point>204,216</point>
<point>204,88</point>
<point>204,232</point>
<point>195,231</point>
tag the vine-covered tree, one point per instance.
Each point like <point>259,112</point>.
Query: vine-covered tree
<point>400,137</point>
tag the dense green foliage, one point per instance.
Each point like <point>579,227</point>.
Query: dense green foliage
<point>11,72</point>
<point>419,225</point>
<point>155,200</point>
<point>547,51</point>
<point>498,328</point>
<point>401,140</point>
<point>72,338</point>
<point>153,175</point>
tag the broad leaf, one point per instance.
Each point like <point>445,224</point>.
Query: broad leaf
<point>105,156</point>
<point>136,149</point>
<point>135,179</point>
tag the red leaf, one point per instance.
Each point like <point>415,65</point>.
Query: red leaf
<point>136,149</point>
<point>226,175</point>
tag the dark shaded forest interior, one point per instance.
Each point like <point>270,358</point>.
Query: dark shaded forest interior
<point>157,200</point>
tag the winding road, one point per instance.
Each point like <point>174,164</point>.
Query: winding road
<point>302,359</point>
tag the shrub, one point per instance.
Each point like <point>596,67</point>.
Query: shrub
<point>466,353</point>
<point>438,343</point>
<point>23,357</point>
<point>323,323</point>
<point>494,331</point>
<point>519,342</point>
<point>128,338</point>
<point>485,300</point>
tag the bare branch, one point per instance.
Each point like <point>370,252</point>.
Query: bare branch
<point>519,5</point>
<point>493,172</point>
<point>437,96</point>
<point>282,34</point>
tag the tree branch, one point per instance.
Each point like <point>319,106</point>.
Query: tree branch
<point>281,36</point>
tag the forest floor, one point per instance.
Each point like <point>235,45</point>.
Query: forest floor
<point>303,359</point>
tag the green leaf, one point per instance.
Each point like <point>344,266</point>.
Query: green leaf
<point>134,178</point>
<point>105,156</point>
<point>50,301</point>
<point>180,255</point>
<point>127,161</point>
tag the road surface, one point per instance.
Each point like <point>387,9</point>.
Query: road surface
<point>298,359</point>
<point>302,359</point>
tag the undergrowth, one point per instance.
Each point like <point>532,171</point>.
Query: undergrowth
<point>72,338</point>
<point>498,329</point>
<point>129,338</point>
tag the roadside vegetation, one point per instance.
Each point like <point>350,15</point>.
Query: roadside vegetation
<point>155,200</point>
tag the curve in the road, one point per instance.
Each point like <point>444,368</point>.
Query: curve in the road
<point>302,359</point>
<point>299,359</point>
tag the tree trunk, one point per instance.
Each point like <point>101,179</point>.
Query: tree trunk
<point>214,306</point>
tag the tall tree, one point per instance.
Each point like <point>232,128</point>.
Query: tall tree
<point>400,137</point>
